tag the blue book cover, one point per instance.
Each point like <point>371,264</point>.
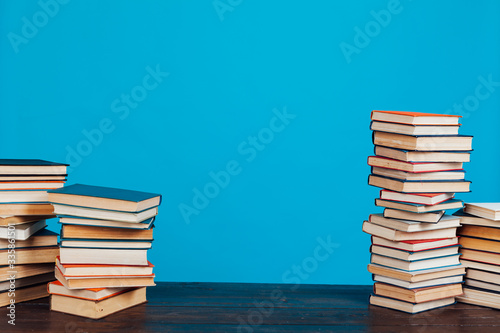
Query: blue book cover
<point>105,192</point>
<point>29,162</point>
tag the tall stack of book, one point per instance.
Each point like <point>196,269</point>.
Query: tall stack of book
<point>105,235</point>
<point>418,163</point>
<point>27,249</point>
<point>480,240</point>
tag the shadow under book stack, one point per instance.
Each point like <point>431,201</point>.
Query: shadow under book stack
<point>105,235</point>
<point>480,241</point>
<point>418,163</point>
<point>27,249</point>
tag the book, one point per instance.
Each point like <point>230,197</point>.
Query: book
<point>480,297</point>
<point>24,294</point>
<point>446,222</point>
<point>487,210</point>
<point>384,162</point>
<point>483,285</point>
<point>61,177</point>
<point>30,185</point>
<point>93,294</point>
<point>103,214</point>
<point>468,219</point>
<point>414,129</point>
<point>14,220</point>
<point>481,256</point>
<point>104,244</point>
<point>417,276</point>
<point>30,208</point>
<point>22,231</point>
<point>107,233</point>
<point>421,186</point>
<point>484,276</point>
<point>480,266</point>
<point>416,246</point>
<point>146,224</point>
<point>72,255</point>
<point>431,217</point>
<point>26,281</point>
<point>32,255</point>
<point>414,118</point>
<point>397,235</point>
<point>480,232</point>
<point>71,270</point>
<point>106,198</point>
<point>416,285</point>
<point>419,208</point>
<point>31,167</point>
<point>22,271</point>
<point>422,156</point>
<point>413,176</point>
<point>23,196</point>
<point>407,307</point>
<point>480,244</point>
<point>40,238</point>
<point>86,282</point>
<point>414,256</point>
<point>423,143</point>
<point>97,309</point>
<point>428,199</point>
<point>418,295</point>
<point>417,265</point>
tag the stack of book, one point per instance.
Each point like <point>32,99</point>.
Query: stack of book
<point>480,241</point>
<point>418,163</point>
<point>106,233</point>
<point>27,249</point>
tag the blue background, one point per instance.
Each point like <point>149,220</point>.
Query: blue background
<point>225,79</point>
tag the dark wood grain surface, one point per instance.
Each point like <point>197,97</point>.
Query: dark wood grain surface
<point>249,308</point>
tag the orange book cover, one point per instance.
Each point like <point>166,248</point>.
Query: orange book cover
<point>429,195</point>
<point>416,114</point>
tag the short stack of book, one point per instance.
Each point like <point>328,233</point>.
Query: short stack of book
<point>480,241</point>
<point>27,249</point>
<point>418,163</point>
<point>105,235</point>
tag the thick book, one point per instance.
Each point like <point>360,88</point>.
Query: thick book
<point>480,244</point>
<point>86,282</point>
<point>480,232</point>
<point>103,214</point>
<point>31,255</point>
<point>397,235</point>
<point>483,285</point>
<point>22,231</point>
<point>487,210</point>
<point>30,185</point>
<point>431,217</point>
<point>93,294</point>
<point>23,196</point>
<point>418,295</point>
<point>73,270</point>
<point>416,167</point>
<point>421,186</point>
<point>417,276</point>
<point>22,271</point>
<point>480,266</point>
<point>104,244</point>
<point>25,294</point>
<point>481,297</point>
<point>413,256</point>
<point>91,232</point>
<point>147,224</point>
<point>97,309</point>
<point>416,285</point>
<point>26,281</point>
<point>447,221</point>
<point>415,118</point>
<point>484,276</point>
<point>419,208</point>
<point>416,265</point>
<point>414,129</point>
<point>416,246</point>
<point>24,178</point>
<point>423,143</point>
<point>469,219</point>
<point>26,208</point>
<point>481,256</point>
<point>413,176</point>
<point>422,156</point>
<point>104,198</point>
<point>428,199</point>
<point>73,255</point>
<point>15,220</point>
<point>41,238</point>
<point>31,167</point>
<point>407,307</point>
